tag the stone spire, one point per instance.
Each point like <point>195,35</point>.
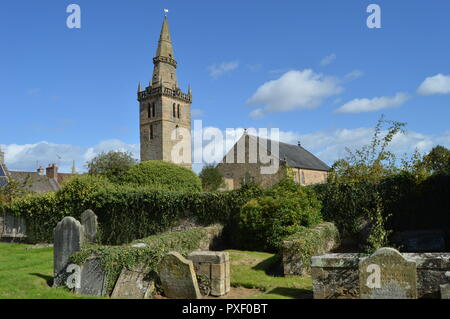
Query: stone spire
<point>165,65</point>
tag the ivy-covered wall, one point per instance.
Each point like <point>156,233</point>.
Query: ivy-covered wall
<point>298,248</point>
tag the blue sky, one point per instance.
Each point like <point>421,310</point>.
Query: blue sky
<point>313,69</point>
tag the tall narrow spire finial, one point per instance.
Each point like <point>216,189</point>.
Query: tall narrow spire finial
<point>139,87</point>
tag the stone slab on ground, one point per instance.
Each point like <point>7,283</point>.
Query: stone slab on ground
<point>133,284</point>
<point>93,278</point>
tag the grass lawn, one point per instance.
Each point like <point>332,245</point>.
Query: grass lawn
<point>262,271</point>
<point>28,274</point>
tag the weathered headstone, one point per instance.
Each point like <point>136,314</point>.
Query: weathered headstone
<point>178,277</point>
<point>133,284</point>
<point>215,266</point>
<point>445,289</point>
<point>93,278</point>
<point>386,274</point>
<point>68,237</point>
<point>90,224</point>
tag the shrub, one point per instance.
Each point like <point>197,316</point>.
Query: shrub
<point>280,212</point>
<point>113,165</point>
<point>163,175</point>
<point>212,178</point>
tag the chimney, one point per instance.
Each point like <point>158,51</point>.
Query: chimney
<point>40,171</point>
<point>52,171</point>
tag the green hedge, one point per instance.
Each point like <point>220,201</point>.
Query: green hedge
<point>163,175</point>
<point>408,203</point>
<point>126,213</point>
<point>300,247</point>
<point>115,258</point>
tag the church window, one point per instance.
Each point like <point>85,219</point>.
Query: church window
<point>178,110</point>
<point>174,111</point>
<point>149,111</point>
<point>153,110</point>
<point>151,132</point>
<point>177,133</point>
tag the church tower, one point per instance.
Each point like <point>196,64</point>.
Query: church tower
<point>165,111</point>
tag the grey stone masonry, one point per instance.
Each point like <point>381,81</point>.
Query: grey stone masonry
<point>215,266</point>
<point>337,275</point>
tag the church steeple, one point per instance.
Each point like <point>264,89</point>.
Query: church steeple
<point>165,65</point>
<point>165,110</point>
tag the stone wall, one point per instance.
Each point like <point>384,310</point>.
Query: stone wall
<point>309,177</point>
<point>12,228</point>
<point>298,248</point>
<point>336,276</point>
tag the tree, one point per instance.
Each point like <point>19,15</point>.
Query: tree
<point>438,160</point>
<point>112,165</point>
<point>372,162</point>
<point>212,178</point>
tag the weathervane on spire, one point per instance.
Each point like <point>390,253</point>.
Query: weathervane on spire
<point>166,11</point>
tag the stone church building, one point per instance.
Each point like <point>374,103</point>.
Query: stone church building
<point>292,160</point>
<point>165,116</point>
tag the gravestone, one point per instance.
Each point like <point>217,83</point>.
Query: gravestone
<point>90,224</point>
<point>445,289</point>
<point>92,278</point>
<point>133,284</point>
<point>68,237</point>
<point>178,278</point>
<point>386,274</point>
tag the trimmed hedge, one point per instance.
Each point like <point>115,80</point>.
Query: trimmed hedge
<point>127,213</point>
<point>115,258</point>
<point>163,175</point>
<point>298,248</point>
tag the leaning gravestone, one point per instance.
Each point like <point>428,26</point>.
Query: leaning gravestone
<point>90,224</point>
<point>178,277</point>
<point>386,274</point>
<point>133,284</point>
<point>92,278</point>
<point>68,237</point>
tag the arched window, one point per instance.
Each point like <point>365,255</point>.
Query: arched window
<point>151,132</point>
<point>178,110</point>
<point>153,110</point>
<point>149,111</point>
<point>174,111</point>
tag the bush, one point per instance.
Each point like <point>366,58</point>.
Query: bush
<point>112,165</point>
<point>163,175</point>
<point>280,212</point>
<point>212,178</point>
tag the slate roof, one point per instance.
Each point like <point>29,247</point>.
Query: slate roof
<point>35,182</point>
<point>3,176</point>
<point>295,155</point>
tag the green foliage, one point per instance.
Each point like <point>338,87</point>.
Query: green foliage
<point>126,213</point>
<point>13,189</point>
<point>307,242</point>
<point>115,258</point>
<point>163,175</point>
<point>281,211</point>
<point>378,236</point>
<point>212,178</point>
<point>113,165</point>
<point>372,162</point>
<point>438,160</point>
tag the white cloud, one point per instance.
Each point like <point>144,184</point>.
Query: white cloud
<point>438,84</point>
<point>217,70</point>
<point>28,156</point>
<point>294,90</point>
<point>375,104</point>
<point>355,74</point>
<point>328,59</point>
